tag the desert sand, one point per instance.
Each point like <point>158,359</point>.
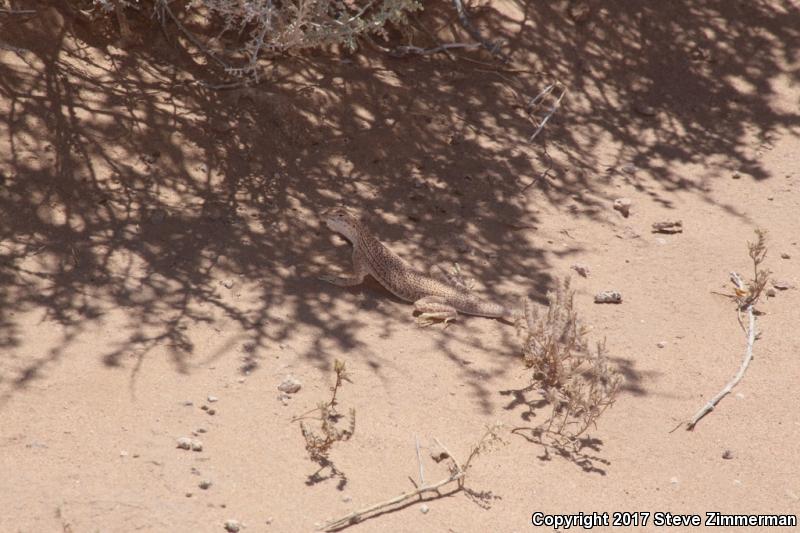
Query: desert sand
<point>160,244</point>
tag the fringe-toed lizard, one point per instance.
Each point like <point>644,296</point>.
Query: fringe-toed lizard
<point>433,298</point>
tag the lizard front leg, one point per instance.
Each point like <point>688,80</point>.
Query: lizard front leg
<point>433,309</point>
<point>360,271</point>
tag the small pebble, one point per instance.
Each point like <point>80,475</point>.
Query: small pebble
<point>737,482</point>
<point>644,109</point>
<point>673,480</point>
<point>580,12</point>
<point>771,293</point>
<point>188,494</point>
<point>438,453</point>
<point>629,168</point>
<point>669,226</point>
<point>228,283</point>
<point>212,412</point>
<point>727,454</point>
<point>623,205</point>
<point>628,233</point>
<point>188,403</point>
<point>205,485</point>
<point>204,407</point>
<point>608,297</point>
<point>269,520</point>
<point>290,385</point>
<point>185,443</point>
<point>736,176</point>
<point>284,398</point>
<point>212,399</point>
<point>123,453</point>
<point>201,430</point>
<point>581,269</point>
<point>424,508</point>
<point>347,498</point>
<point>781,284</point>
<point>784,255</point>
<point>661,344</point>
<point>232,526</point>
<point>242,380</point>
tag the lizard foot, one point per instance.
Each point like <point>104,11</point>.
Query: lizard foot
<point>433,309</point>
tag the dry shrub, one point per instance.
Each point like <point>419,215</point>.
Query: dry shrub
<point>253,28</point>
<point>319,443</point>
<point>747,294</point>
<point>577,383</point>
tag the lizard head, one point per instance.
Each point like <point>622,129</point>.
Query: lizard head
<point>342,221</point>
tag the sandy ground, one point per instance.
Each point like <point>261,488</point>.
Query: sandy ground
<point>160,244</point>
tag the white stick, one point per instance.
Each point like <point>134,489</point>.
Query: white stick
<point>748,356</point>
<point>544,93</point>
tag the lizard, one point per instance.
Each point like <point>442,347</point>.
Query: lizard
<point>434,299</point>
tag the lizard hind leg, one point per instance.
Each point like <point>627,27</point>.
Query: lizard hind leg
<point>434,309</point>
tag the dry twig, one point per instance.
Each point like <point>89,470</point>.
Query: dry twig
<point>492,47</point>
<point>745,295</point>
<point>535,101</point>
<point>748,356</point>
<point>458,472</point>
<point>6,11</point>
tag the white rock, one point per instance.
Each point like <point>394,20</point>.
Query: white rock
<point>608,297</point>
<point>661,344</point>
<point>290,385</point>
<point>623,205</point>
<point>424,508</point>
<point>185,443</point>
<point>232,526</point>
